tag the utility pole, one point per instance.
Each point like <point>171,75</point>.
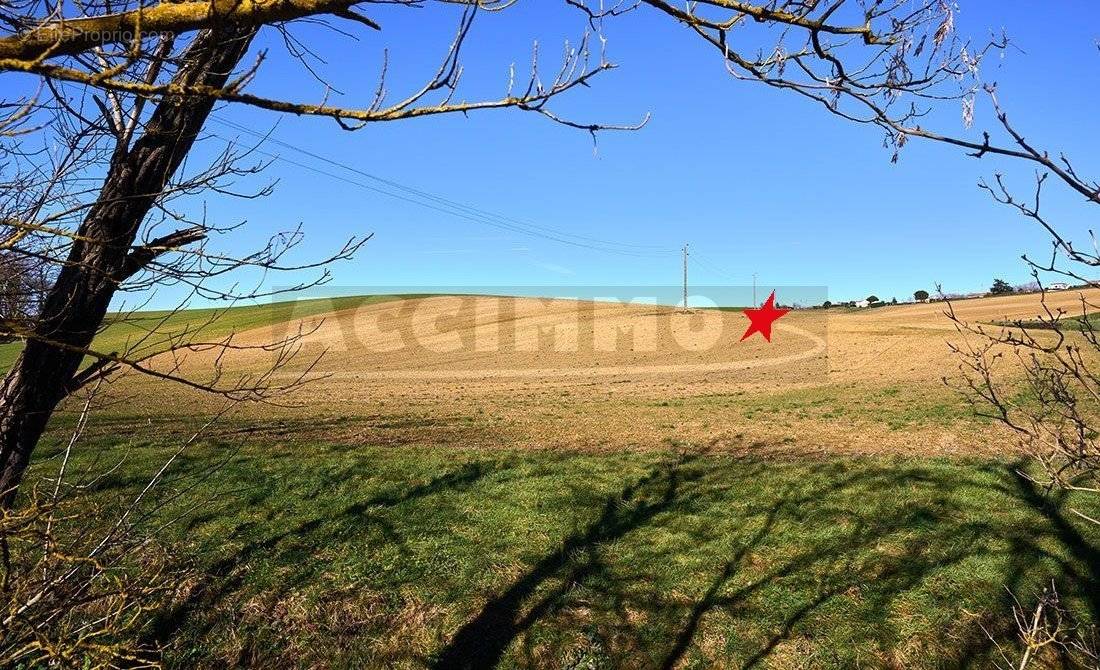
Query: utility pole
<point>685,277</point>
<point>754,289</point>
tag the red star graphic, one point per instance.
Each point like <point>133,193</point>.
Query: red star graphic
<point>763,318</point>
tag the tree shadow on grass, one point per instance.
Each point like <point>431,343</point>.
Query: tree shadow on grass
<point>228,574</point>
<point>844,571</point>
<point>482,641</point>
<point>944,525</point>
<point>1085,566</point>
<point>772,557</point>
<point>880,556</point>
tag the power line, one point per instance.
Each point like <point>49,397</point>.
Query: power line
<point>459,214</point>
<point>447,206</point>
<point>713,266</point>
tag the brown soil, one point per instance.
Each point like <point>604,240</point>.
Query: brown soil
<point>565,374</point>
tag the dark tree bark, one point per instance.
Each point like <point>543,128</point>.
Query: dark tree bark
<point>101,256</point>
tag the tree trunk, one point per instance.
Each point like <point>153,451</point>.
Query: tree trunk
<point>78,301</point>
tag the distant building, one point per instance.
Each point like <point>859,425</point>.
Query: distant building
<point>1058,286</point>
<point>862,303</point>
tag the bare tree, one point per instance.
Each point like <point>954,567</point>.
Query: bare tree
<point>130,86</point>
<point>95,156</point>
<point>72,597</point>
<point>1039,377</point>
<point>123,93</point>
<point>1048,635</point>
<point>893,65</point>
<point>81,573</point>
<point>120,93</point>
<point>887,64</point>
<point>22,287</point>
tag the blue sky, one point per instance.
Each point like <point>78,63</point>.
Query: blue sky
<point>754,179</point>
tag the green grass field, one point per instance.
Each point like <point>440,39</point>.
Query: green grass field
<point>319,554</point>
<point>210,323</point>
<point>1068,323</point>
<point>419,536</point>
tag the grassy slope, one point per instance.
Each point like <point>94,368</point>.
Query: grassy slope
<point>342,556</point>
<point>1067,323</point>
<point>214,323</point>
<point>331,555</point>
<point>896,406</point>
